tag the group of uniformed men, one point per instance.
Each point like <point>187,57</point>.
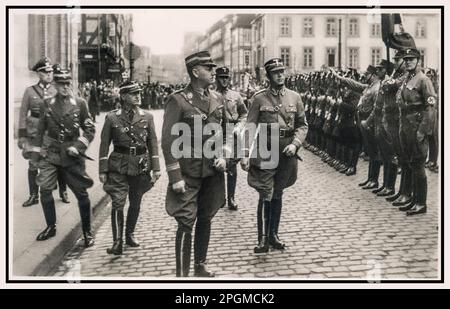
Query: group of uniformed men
<point>389,112</point>
<point>343,115</point>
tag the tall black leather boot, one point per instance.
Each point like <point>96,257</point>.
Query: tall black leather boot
<point>263,222</point>
<point>400,188</point>
<point>132,218</point>
<point>275,214</point>
<point>48,206</point>
<point>84,205</point>
<point>117,230</point>
<point>258,219</point>
<point>62,187</point>
<point>34,189</point>
<point>385,176</point>
<point>391,177</point>
<point>183,242</point>
<point>420,207</point>
<point>201,243</point>
<point>369,175</point>
<point>231,189</point>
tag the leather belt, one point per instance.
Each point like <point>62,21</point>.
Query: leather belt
<point>132,151</point>
<point>35,115</point>
<point>286,133</point>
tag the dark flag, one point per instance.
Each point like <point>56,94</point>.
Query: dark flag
<point>387,26</point>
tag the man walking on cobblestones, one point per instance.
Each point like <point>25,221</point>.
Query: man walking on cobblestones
<point>196,182</point>
<point>281,107</point>
<point>61,150</point>
<point>235,112</point>
<point>132,167</point>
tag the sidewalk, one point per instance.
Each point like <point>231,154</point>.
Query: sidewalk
<point>33,258</point>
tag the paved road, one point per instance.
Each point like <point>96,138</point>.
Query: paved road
<point>332,229</point>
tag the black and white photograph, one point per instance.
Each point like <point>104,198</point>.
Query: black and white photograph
<point>224,144</point>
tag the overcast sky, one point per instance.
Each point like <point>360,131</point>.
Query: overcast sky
<point>163,30</point>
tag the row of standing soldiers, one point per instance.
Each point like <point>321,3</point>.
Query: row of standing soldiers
<point>389,112</point>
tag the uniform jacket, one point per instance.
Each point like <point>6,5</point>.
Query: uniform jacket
<point>368,97</point>
<point>59,128</point>
<point>417,100</point>
<point>234,107</point>
<point>32,99</point>
<point>263,109</point>
<point>125,133</point>
<point>183,107</point>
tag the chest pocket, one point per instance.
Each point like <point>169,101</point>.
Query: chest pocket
<point>290,114</point>
<point>412,93</point>
<point>141,129</point>
<point>268,114</point>
<point>71,120</point>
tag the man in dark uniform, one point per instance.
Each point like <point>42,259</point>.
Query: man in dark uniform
<point>235,113</point>
<point>132,167</point>
<point>196,188</point>
<point>281,108</point>
<point>366,103</point>
<point>33,98</point>
<point>383,139</point>
<point>417,100</point>
<point>62,151</point>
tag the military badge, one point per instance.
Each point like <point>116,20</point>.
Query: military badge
<point>431,100</point>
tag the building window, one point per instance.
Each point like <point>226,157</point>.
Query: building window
<point>375,30</point>
<point>353,57</point>
<point>285,55</point>
<point>353,29</point>
<point>420,29</point>
<point>375,56</point>
<point>247,33</point>
<point>246,58</point>
<point>285,26</point>
<point>331,57</point>
<point>308,26</point>
<point>331,27</point>
<point>422,57</point>
<point>308,57</point>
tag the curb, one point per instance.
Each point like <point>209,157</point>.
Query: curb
<point>48,264</point>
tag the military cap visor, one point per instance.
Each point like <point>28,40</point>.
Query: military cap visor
<point>223,71</point>
<point>129,87</point>
<point>43,65</point>
<point>62,77</point>
<point>274,64</point>
<point>201,58</point>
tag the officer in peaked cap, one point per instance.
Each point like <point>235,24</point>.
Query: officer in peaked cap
<point>417,100</point>
<point>33,97</point>
<point>61,150</point>
<point>196,188</point>
<point>235,113</point>
<point>132,167</point>
<point>282,108</point>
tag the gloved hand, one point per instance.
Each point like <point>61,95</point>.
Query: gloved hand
<point>179,187</point>
<point>21,142</point>
<point>155,176</point>
<point>290,150</point>
<point>103,177</point>
<point>220,164</point>
<point>72,151</point>
<point>245,164</point>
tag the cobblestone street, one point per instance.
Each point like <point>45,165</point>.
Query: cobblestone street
<point>332,230</point>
